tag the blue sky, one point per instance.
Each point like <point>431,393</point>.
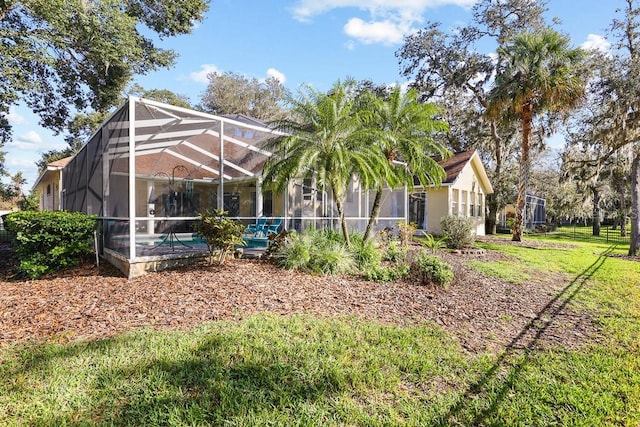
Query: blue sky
<point>301,42</point>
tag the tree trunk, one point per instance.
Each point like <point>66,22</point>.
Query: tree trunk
<point>492,200</point>
<point>375,212</point>
<point>595,227</point>
<point>343,221</point>
<point>634,242</point>
<point>491,224</point>
<point>527,118</point>
<point>622,212</point>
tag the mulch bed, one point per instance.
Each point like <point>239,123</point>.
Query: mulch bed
<point>486,314</point>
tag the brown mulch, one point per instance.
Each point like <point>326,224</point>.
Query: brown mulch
<point>486,314</point>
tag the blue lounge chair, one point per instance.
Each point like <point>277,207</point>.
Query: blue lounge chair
<point>259,228</point>
<point>274,227</point>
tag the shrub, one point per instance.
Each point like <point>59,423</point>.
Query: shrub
<point>50,240</point>
<point>365,253</point>
<point>458,231</point>
<point>394,252</point>
<point>276,242</point>
<point>405,233</point>
<point>331,258</point>
<point>294,253</point>
<point>432,269</point>
<point>221,233</point>
<point>432,242</point>
<point>320,251</point>
<point>381,273</point>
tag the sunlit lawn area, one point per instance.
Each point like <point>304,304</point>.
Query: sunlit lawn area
<point>301,370</point>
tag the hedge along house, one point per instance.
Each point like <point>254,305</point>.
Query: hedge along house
<point>151,168</point>
<point>463,193</point>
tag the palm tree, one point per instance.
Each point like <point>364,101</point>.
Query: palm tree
<point>324,138</point>
<point>541,74</point>
<point>403,129</point>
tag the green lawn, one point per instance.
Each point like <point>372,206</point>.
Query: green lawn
<point>301,370</point>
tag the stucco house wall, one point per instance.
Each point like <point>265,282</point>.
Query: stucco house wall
<point>49,186</point>
<point>463,193</point>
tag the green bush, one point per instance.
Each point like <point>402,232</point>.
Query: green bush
<point>405,233</point>
<point>432,242</point>
<point>458,231</point>
<point>294,253</point>
<point>394,252</point>
<point>365,253</point>
<point>221,233</point>
<point>432,269</point>
<point>380,273</point>
<point>320,251</point>
<point>331,258</point>
<point>47,241</point>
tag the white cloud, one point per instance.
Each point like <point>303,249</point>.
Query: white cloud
<point>15,118</point>
<point>390,20</point>
<point>20,164</point>
<point>32,141</point>
<point>384,32</point>
<point>32,137</point>
<point>278,75</point>
<point>596,42</point>
<point>306,9</point>
<point>201,76</point>
<point>22,145</point>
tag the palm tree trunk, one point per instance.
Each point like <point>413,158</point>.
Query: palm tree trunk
<point>492,199</point>
<point>343,221</point>
<point>527,118</point>
<point>375,212</point>
<point>634,242</point>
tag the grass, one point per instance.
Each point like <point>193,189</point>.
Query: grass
<point>306,371</point>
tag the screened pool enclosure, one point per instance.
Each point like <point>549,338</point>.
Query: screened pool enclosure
<point>151,169</point>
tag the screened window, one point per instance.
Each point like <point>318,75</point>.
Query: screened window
<point>463,203</point>
<point>454,202</point>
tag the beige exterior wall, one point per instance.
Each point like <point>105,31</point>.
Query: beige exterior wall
<point>471,192</point>
<point>457,199</point>
<point>437,207</point>
<point>49,192</point>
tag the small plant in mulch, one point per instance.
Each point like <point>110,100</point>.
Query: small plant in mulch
<point>433,243</point>
<point>458,231</point>
<point>406,232</point>
<point>316,251</point>
<point>221,233</point>
<point>275,243</point>
<point>430,269</point>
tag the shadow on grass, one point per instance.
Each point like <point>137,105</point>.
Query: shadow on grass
<point>482,398</point>
<point>207,385</point>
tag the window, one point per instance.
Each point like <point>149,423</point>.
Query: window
<point>267,204</point>
<point>472,209</point>
<point>479,203</point>
<point>48,189</point>
<point>454,202</point>
<point>463,203</point>
<point>307,188</point>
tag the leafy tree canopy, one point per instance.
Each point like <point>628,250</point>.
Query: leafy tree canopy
<point>233,93</point>
<point>161,95</point>
<point>65,55</point>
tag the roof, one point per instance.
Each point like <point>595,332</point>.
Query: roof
<point>58,164</point>
<point>454,165</point>
<point>53,166</point>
